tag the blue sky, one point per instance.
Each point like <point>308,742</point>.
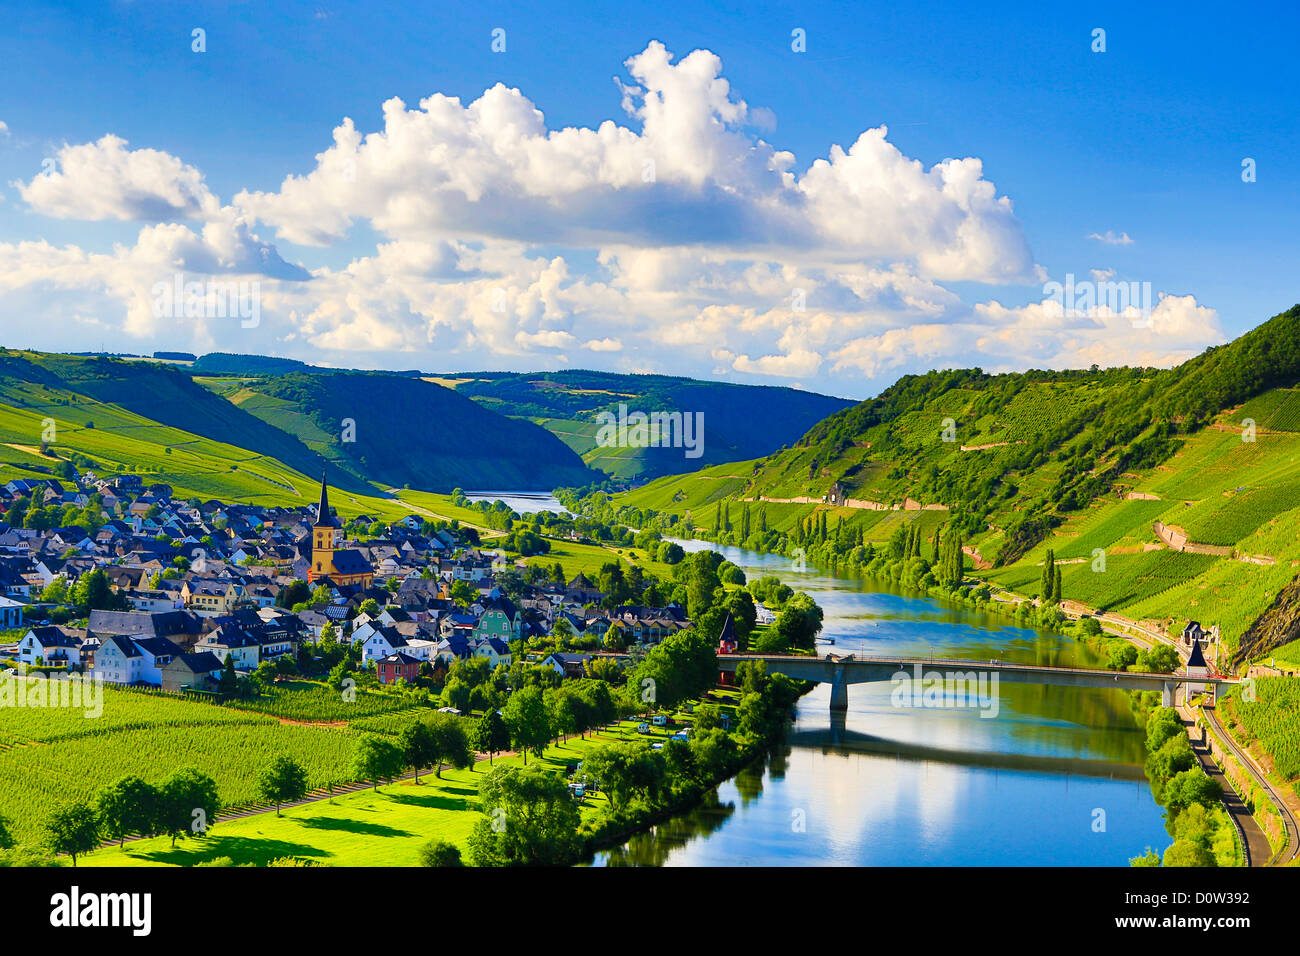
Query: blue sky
<point>1144,140</point>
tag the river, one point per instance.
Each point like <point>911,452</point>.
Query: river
<point>1054,779</point>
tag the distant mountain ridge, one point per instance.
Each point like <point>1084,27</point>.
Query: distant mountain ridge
<point>740,421</point>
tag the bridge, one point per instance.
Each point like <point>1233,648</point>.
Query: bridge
<point>960,675</point>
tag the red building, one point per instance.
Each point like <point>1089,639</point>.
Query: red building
<point>397,666</point>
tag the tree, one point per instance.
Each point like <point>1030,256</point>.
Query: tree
<point>463,593</point>
<point>92,592</point>
<point>1190,787</point>
<point>1187,853</point>
<point>626,770</point>
<point>669,552</point>
<point>525,715</point>
<point>1046,583</point>
<point>491,735</point>
<point>187,803</point>
<point>417,745</point>
<point>440,853</point>
<point>450,743</point>
<point>229,679</point>
<point>799,622</point>
<point>72,829</point>
<point>456,693</point>
<point>283,782</point>
<point>128,806</point>
<point>375,759</point>
<point>297,592</point>
<point>560,712</point>
<point>529,820</point>
<point>604,669</point>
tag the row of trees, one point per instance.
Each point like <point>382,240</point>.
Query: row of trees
<point>185,802</point>
<point>1193,815</point>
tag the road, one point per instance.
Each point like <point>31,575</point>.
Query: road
<point>1256,845</point>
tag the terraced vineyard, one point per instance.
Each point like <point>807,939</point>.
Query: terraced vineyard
<point>1278,410</point>
<point>1112,523</point>
<point>1227,519</point>
<point>1130,578</point>
<point>1273,719</point>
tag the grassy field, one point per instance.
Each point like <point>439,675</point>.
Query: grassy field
<point>590,558</point>
<point>384,827</point>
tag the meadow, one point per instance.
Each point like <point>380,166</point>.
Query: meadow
<point>369,827</point>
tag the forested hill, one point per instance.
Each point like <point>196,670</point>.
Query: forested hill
<point>1021,451</point>
<point>1186,480</point>
<point>406,432</point>
<point>740,421</point>
<point>247,435</point>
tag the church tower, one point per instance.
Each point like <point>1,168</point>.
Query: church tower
<point>325,536</point>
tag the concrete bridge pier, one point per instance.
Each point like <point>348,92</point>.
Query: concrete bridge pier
<point>839,689</point>
<point>1167,691</point>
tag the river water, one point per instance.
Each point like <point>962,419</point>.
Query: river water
<point>1054,779</point>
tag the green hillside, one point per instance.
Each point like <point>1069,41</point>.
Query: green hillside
<point>1084,463</point>
<point>62,413</point>
<point>404,432</point>
<point>740,421</point>
<point>48,429</point>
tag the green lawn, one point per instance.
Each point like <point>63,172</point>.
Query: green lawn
<point>384,827</point>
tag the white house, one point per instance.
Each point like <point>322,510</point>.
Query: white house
<point>51,645</point>
<point>127,660</point>
<point>11,613</point>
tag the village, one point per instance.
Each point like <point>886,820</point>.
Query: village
<point>178,595</point>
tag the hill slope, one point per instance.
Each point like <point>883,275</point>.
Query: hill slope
<point>740,421</point>
<point>112,415</point>
<point>1186,480</point>
<point>406,432</point>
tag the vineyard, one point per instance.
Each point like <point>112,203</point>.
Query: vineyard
<point>392,723</point>
<point>119,710</point>
<point>1130,578</point>
<point>1273,719</point>
<point>1225,520</point>
<point>35,779</point>
<point>52,754</point>
<point>1278,410</point>
<point>1111,524</point>
<point>1024,417</point>
<point>313,702</point>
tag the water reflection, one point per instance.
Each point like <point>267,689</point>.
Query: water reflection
<point>886,785</point>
